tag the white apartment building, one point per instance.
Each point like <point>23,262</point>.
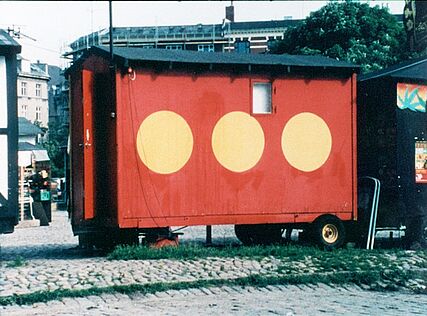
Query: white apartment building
<point>32,93</point>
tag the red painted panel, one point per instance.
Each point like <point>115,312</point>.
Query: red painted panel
<point>203,189</point>
<point>93,168</point>
<point>233,219</point>
<point>76,151</point>
<point>88,153</point>
<point>354,144</point>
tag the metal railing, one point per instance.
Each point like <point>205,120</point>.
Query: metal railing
<point>374,213</point>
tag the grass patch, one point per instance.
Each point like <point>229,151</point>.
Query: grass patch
<point>17,262</point>
<point>367,278</point>
<point>197,252</point>
<point>340,259</point>
<point>294,260</point>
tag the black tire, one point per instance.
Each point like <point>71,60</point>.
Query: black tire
<point>260,234</point>
<point>328,232</point>
<point>151,235</point>
<point>288,234</point>
<point>92,241</point>
<point>85,241</point>
<point>127,238</point>
<point>104,241</point>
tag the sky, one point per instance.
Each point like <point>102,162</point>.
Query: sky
<point>53,25</point>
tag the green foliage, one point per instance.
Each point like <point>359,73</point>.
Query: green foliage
<point>55,146</point>
<point>197,252</point>
<point>343,259</point>
<point>349,31</point>
<point>18,262</point>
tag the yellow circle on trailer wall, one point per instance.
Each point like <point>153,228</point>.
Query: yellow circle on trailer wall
<point>164,142</point>
<point>238,141</point>
<point>306,141</point>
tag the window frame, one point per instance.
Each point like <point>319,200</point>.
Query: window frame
<point>38,117</point>
<point>239,44</point>
<point>252,85</point>
<point>174,47</point>
<point>24,88</point>
<point>210,47</point>
<point>24,110</point>
<point>38,90</point>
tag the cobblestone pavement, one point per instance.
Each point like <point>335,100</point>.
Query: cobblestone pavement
<point>52,261</point>
<point>57,241</point>
<point>272,300</point>
<point>60,265</point>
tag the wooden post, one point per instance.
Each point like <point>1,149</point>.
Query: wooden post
<point>21,193</point>
<point>208,235</point>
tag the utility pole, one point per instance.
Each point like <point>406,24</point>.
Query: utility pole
<point>111,31</point>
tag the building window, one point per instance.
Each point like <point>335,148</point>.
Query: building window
<point>23,88</point>
<point>38,113</point>
<point>261,98</point>
<point>242,47</point>
<point>174,47</point>
<point>24,109</point>
<point>38,90</point>
<point>205,48</point>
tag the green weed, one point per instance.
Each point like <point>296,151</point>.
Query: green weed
<point>368,278</point>
<point>18,262</point>
<point>188,252</point>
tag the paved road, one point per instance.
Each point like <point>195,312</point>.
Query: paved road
<point>52,262</point>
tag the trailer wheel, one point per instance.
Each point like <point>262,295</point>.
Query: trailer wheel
<point>288,235</point>
<point>104,241</point>
<point>261,234</point>
<point>328,232</point>
<point>85,242</point>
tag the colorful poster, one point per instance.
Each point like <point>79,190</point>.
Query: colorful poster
<point>421,161</point>
<point>412,97</point>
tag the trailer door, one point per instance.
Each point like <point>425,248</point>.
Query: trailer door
<point>88,152</point>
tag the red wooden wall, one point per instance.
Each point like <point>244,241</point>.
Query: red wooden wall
<point>198,188</point>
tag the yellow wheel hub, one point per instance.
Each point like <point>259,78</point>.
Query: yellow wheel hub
<point>330,233</point>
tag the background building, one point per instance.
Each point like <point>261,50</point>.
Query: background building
<point>57,94</point>
<point>32,90</point>
<point>32,157</point>
<point>28,132</point>
<point>228,36</point>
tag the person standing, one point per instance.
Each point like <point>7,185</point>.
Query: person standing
<point>40,192</point>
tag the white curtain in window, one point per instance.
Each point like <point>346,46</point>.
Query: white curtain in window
<point>261,97</point>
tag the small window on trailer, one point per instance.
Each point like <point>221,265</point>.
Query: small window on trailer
<point>261,98</point>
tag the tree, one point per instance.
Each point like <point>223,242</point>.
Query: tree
<point>348,31</point>
<point>56,146</point>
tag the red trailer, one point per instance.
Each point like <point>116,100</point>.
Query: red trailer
<point>177,138</point>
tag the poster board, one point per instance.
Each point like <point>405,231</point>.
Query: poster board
<point>411,97</point>
<point>420,161</point>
